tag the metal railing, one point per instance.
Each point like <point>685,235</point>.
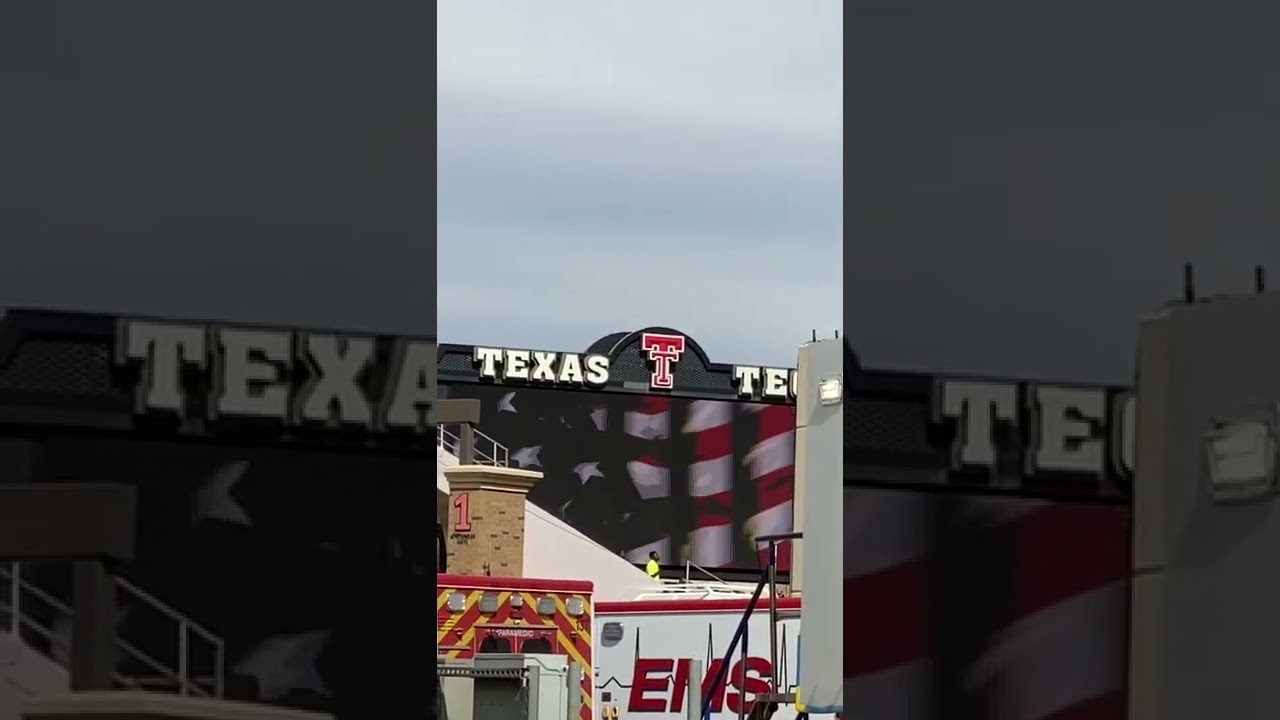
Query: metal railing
<point>188,636</point>
<point>768,582</point>
<point>487,451</point>
<point>691,567</point>
<point>680,589</point>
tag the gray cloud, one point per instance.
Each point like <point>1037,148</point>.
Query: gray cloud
<point>602,166</point>
<point>216,160</point>
<point>1030,179</point>
<point>545,167</point>
<point>610,168</point>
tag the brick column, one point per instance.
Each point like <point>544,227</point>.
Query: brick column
<point>485,530</point>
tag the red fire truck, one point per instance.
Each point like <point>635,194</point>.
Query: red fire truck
<point>517,615</point>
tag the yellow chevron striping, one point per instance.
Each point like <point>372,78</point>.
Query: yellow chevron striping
<point>470,618</point>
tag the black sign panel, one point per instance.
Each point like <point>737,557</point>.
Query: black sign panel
<point>218,380</point>
<point>656,360</point>
<point>993,435</point>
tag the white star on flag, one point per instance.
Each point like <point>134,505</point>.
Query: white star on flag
<point>284,663</point>
<point>213,501</point>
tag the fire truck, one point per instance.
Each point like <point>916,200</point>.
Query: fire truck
<point>489,615</point>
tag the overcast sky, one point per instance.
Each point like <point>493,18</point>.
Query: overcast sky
<point>264,162</point>
<point>603,165</point>
<point>606,165</point>
<point>1027,178</point>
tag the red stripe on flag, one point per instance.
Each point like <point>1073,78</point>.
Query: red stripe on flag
<point>1062,550</point>
<point>775,420</point>
<point>713,443</point>
<point>653,405</point>
<point>885,619</point>
<point>776,487</point>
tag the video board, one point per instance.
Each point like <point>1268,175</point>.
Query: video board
<point>977,606</point>
<point>644,444</point>
<point>693,479</point>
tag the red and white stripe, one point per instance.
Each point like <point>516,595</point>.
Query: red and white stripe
<point>1063,657</point>
<point>887,638</point>
<point>650,421</point>
<point>710,425</point>
<point>772,462</point>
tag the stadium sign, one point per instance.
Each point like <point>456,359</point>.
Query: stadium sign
<point>661,351</point>
<point>1044,428</point>
<point>542,367</point>
<point>286,377</point>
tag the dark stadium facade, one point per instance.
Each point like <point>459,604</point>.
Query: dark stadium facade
<point>282,485</point>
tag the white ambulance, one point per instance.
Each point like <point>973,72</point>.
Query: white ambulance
<point>643,649</point>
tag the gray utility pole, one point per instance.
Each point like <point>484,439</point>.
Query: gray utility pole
<point>817,572</point>
<point>1205,637</point>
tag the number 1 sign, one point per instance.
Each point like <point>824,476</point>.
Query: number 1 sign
<point>462,515</point>
<point>462,510</point>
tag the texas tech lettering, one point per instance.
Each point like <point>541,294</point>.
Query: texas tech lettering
<point>287,377</point>
<point>537,367</point>
<point>660,350</point>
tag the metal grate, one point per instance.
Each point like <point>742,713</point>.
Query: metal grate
<point>60,366</point>
<point>474,672</point>
<point>455,363</point>
<point>631,367</point>
<point>887,425</point>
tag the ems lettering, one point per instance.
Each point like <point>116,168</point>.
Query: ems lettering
<point>663,351</point>
<point>541,367</point>
<point>193,372</point>
<point>661,684</point>
<point>1037,429</point>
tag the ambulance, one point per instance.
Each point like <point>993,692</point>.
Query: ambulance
<point>643,649</point>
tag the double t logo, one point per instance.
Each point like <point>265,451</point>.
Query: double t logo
<point>663,351</point>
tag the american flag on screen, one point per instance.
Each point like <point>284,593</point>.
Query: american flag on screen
<point>984,608</point>
<point>719,475</point>
<point>690,479</point>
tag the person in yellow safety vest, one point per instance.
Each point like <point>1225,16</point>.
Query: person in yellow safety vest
<point>651,568</point>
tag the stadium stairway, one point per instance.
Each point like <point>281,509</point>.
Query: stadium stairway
<point>552,547</point>
<point>35,646</point>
